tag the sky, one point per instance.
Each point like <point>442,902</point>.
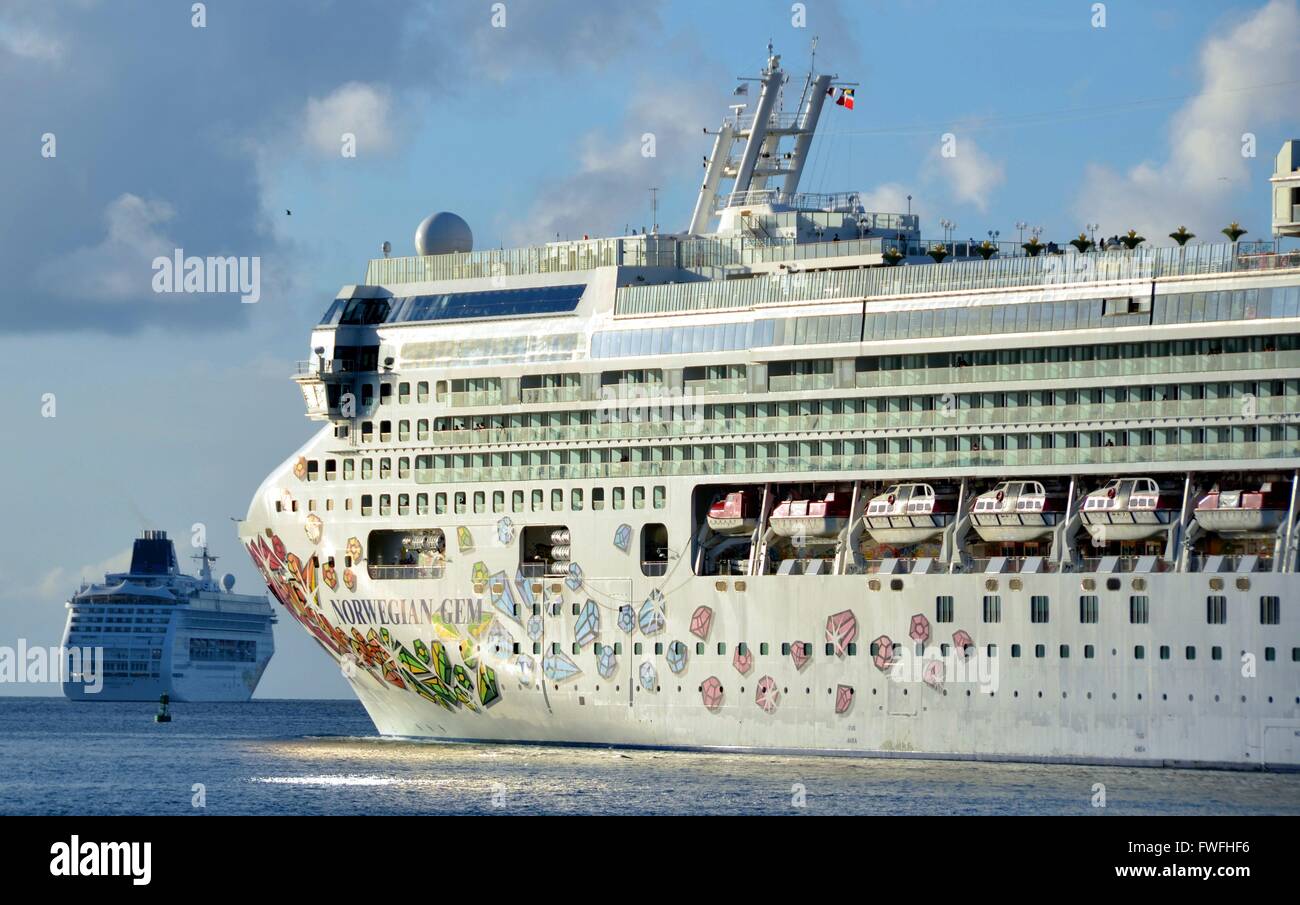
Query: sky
<point>135,409</point>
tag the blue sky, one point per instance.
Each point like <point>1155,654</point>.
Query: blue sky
<point>171,409</point>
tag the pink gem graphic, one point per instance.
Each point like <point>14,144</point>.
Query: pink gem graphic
<point>843,698</point>
<point>884,653</point>
<point>920,628</point>
<point>799,653</point>
<point>932,675</point>
<point>711,693</point>
<point>768,695</point>
<point>701,622</point>
<point>962,640</point>
<point>841,631</point>
<point>743,662</point>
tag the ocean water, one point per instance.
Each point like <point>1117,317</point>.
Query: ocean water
<point>323,757</point>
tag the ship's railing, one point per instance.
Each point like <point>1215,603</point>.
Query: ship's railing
<point>1002,416</point>
<point>556,257</point>
<point>1188,454</point>
<point>1064,269</point>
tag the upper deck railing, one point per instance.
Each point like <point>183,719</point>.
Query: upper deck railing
<point>957,276</point>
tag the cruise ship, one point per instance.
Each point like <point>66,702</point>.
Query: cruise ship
<point>798,478</point>
<point>164,632</point>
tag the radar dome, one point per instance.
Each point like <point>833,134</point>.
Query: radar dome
<point>228,582</point>
<point>443,233</point>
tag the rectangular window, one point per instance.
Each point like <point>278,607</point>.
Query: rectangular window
<point>331,469</point>
<point>367,503</point>
<point>403,430</point>
<point>619,501</point>
<point>660,496</point>
<point>1038,609</point>
<point>992,608</point>
<point>422,391</point>
<point>1270,608</point>
<point>422,429</point>
<point>537,501</point>
<point>349,468</point>
<point>461,504</point>
<point>498,501</point>
<point>575,499</point>
<point>943,609</point>
<point>403,504</point>
<point>480,502</point>
<point>385,468</point>
<point>440,503</point>
<point>1139,652</point>
<point>638,497</point>
<point>1216,610</point>
<point>1139,610</point>
<point>517,501</point>
<point>598,498</point>
<point>1088,609</point>
<point>557,500</point>
<point>1089,652</point>
<point>421,504</point>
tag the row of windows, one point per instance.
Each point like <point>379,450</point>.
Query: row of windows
<point>462,500</point>
<point>1139,609</point>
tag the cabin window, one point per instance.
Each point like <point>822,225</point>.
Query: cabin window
<point>557,500</point>
<point>480,502</point>
<point>1038,609</point>
<point>367,469</point>
<point>660,496</point>
<point>1065,651</point>
<point>440,503</point>
<point>461,505</point>
<point>331,469</point>
<point>575,499</point>
<point>1089,652</point>
<point>992,608</point>
<point>619,501</point>
<point>403,430</point>
<point>943,609</point>
<point>404,467</point>
<point>313,470</point>
<point>421,504</point>
<point>1139,610</point>
<point>1040,650</point>
<point>517,501</point>
<point>1139,652</point>
<point>385,504</point>
<point>422,429</point>
<point>654,549</point>
<point>498,501</point>
<point>1270,610</point>
<point>403,504</point>
<point>537,501</point>
<point>367,504</point>
<point>1088,609</point>
<point>385,393</point>
<point>349,468</point>
<point>385,468</point>
<point>1216,610</point>
<point>422,391</point>
<point>1015,650</point>
<point>367,394</point>
<point>638,497</point>
<point>598,498</point>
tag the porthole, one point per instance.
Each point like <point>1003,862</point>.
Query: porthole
<point>1016,584</point>
<point>895,584</point>
<point>874,584</point>
<point>740,586</point>
<point>991,584</point>
<point>1216,584</point>
<point>1243,584</point>
<point>720,585</point>
<point>1088,584</point>
<point>1139,584</point>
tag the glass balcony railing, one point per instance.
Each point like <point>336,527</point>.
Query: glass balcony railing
<point>536,395</point>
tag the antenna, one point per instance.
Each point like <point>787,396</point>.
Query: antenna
<point>654,210</point>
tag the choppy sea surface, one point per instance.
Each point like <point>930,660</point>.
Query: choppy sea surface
<point>324,757</point>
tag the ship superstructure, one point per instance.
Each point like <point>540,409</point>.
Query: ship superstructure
<point>807,481</point>
<point>164,632</point>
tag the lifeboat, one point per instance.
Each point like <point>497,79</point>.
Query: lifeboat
<point>733,515</point>
<point>1128,509</point>
<point>1016,511</point>
<point>908,514</point>
<point>1244,512</point>
<point>811,520</point>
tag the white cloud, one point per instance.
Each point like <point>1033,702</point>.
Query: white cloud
<point>120,267</point>
<point>1204,167</point>
<point>60,583</point>
<point>970,173</point>
<point>355,107</point>
<point>28,43</point>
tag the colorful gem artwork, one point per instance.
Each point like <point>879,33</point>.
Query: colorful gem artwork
<point>676,657</point>
<point>626,618</point>
<point>743,660</point>
<point>524,668</point>
<point>588,625</point>
<point>767,695</point>
<point>574,579</point>
<point>843,698</point>
<point>963,642</point>
<point>623,537</point>
<point>525,587</point>
<point>505,531</point>
<point>649,676</point>
<point>354,549</point>
<point>503,597</point>
<point>608,662</point>
<point>884,656</point>
<point>535,628</point>
<point>558,667</point>
<point>424,669</point>
<point>330,576</point>
<point>711,693</point>
<point>300,468</point>
<point>314,528</point>
<point>651,618</point>
<point>920,630</point>
<point>932,673</point>
<point>479,574</point>
<point>464,540</point>
<point>841,631</point>
<point>800,653</point>
<point>701,622</point>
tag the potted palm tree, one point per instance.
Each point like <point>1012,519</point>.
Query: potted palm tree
<point>1131,239</point>
<point>1081,242</point>
<point>1233,231</point>
<point>1181,236</point>
<point>892,255</point>
<point>986,249</point>
<point>938,252</point>
<point>1033,247</point>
